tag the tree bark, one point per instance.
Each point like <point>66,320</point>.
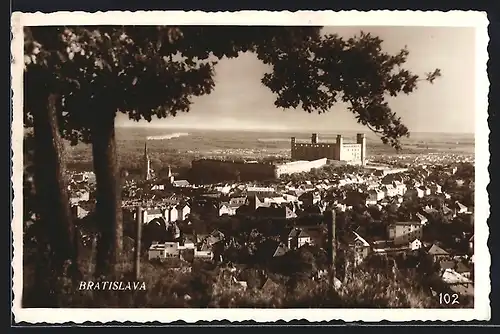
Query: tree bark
<point>108,195</point>
<point>52,198</point>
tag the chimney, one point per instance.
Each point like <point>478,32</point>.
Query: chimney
<point>314,138</point>
<point>339,139</point>
<point>361,139</point>
<point>292,148</point>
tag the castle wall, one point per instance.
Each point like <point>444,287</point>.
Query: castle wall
<point>213,171</point>
<point>300,166</point>
<point>306,151</point>
<point>349,152</point>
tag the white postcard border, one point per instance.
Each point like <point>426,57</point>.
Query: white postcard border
<point>477,20</point>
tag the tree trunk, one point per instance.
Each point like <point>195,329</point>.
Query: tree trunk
<point>52,193</point>
<point>108,196</point>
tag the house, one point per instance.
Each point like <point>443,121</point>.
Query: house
<point>463,269</point>
<point>402,233</point>
<point>414,192</point>
<point>281,250</point>
<point>471,244</point>
<point>425,190</point>
<point>278,200</point>
<point>399,199</point>
<point>438,253</point>
<point>189,241</point>
<point>177,212</point>
<point>429,211</point>
<point>226,189</point>
<point>183,211</point>
<point>226,208</point>
<point>374,196</point>
<point>151,214</point>
<point>297,238</point>
<point>81,195</point>
<point>361,248</point>
<point>415,245</point>
<point>215,237</point>
<point>171,214</point>
<point>164,250</point>
<point>446,264</point>
<point>460,208</point>
<point>79,212</point>
<point>317,234</point>
<point>275,212</point>
<point>157,186</point>
<point>171,249</point>
<point>238,201</point>
<point>400,187</point>
<point>310,198</point>
<point>204,254</point>
<point>156,251</point>
<point>181,183</point>
<point>389,190</point>
<point>458,283</point>
<point>435,188</point>
<point>423,220</point>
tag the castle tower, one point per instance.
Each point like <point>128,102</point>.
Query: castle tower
<point>361,139</point>
<point>314,138</point>
<point>292,148</point>
<point>339,143</point>
<point>146,163</point>
<point>170,176</point>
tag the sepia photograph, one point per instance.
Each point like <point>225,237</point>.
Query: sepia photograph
<point>170,164</point>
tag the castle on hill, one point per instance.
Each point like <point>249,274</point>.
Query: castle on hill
<point>354,153</point>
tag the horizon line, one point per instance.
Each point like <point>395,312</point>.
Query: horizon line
<point>271,130</point>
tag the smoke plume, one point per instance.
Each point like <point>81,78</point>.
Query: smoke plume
<point>169,136</point>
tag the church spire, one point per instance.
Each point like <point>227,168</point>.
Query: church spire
<point>146,162</point>
<point>170,176</point>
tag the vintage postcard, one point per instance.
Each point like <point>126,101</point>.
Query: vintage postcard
<point>277,165</point>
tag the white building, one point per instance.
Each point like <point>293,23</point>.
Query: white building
<point>390,190</point>
<point>173,249</point>
<point>227,209</point>
<point>156,251</point>
<point>402,233</point>
<point>374,196</point>
<point>415,245</point>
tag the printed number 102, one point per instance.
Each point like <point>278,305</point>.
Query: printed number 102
<point>447,299</point>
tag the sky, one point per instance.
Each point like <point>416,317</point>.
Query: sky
<point>240,101</point>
